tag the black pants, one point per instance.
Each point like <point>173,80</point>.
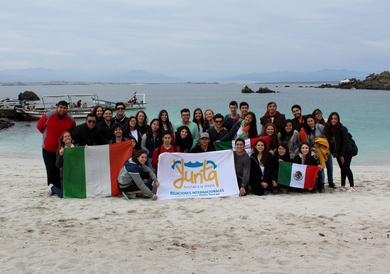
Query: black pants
<point>346,169</point>
<point>258,188</point>
<point>52,172</point>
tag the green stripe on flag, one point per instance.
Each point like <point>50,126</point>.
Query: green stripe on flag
<point>284,175</point>
<point>74,173</point>
<point>223,145</point>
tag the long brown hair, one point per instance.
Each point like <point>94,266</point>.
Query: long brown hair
<point>273,139</point>
<point>264,154</point>
<point>331,131</point>
<point>307,158</point>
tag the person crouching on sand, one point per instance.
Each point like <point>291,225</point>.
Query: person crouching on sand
<point>130,181</point>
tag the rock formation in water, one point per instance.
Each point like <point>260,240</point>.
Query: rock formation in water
<point>28,96</point>
<point>373,81</point>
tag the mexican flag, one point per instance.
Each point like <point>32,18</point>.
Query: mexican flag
<point>296,175</point>
<point>249,144</point>
<point>92,171</point>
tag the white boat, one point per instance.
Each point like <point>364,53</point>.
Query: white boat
<point>134,103</point>
<point>76,112</point>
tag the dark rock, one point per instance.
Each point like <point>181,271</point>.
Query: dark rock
<point>326,85</point>
<point>5,123</point>
<point>373,81</point>
<point>28,96</point>
<point>246,89</point>
<point>265,90</point>
<point>286,86</point>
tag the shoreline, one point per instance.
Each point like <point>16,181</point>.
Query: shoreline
<point>301,233</point>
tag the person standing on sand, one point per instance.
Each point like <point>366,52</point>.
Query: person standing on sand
<point>341,148</point>
<point>52,125</point>
<point>165,147</point>
<point>229,118</point>
<point>299,122</point>
<point>242,164</point>
<point>244,108</point>
<point>185,116</point>
<point>273,116</point>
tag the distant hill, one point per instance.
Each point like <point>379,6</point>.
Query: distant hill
<point>324,75</point>
<point>141,76</point>
<point>117,76</point>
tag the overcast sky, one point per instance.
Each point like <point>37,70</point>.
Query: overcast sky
<point>179,37</point>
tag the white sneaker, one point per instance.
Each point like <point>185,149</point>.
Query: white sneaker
<point>351,189</point>
<point>341,189</point>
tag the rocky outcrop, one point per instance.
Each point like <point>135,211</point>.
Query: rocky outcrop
<point>246,89</point>
<point>28,96</point>
<point>265,90</point>
<point>5,123</point>
<point>373,81</point>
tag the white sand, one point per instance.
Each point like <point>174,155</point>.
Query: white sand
<point>299,233</point>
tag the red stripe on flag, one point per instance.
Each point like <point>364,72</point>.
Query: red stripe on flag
<point>253,141</point>
<point>310,177</point>
<point>119,154</point>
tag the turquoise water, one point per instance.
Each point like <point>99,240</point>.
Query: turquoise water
<point>364,112</point>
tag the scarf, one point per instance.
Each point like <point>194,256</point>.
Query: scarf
<point>245,130</point>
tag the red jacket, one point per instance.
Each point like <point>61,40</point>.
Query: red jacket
<point>52,126</point>
<point>162,150</point>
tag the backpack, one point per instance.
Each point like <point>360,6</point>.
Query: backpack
<point>352,145</point>
<point>159,149</point>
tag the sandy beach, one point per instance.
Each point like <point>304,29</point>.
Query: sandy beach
<point>333,232</point>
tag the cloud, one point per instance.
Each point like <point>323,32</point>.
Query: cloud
<point>234,36</point>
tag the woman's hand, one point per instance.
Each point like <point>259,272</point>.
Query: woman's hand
<point>155,197</point>
<point>274,183</point>
<point>342,159</point>
<point>280,160</point>
<point>320,168</point>
<point>157,183</point>
<point>242,191</point>
<point>265,185</point>
<point>61,152</point>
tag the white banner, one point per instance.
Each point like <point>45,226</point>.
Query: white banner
<point>196,175</point>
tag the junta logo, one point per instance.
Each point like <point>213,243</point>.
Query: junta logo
<point>206,172</point>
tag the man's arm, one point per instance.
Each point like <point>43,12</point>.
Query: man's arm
<point>42,123</point>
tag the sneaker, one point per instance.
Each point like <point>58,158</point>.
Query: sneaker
<point>341,189</point>
<point>128,196</point>
<point>50,193</point>
<point>351,189</point>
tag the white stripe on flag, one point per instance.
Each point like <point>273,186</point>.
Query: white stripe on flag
<point>97,171</point>
<point>301,182</point>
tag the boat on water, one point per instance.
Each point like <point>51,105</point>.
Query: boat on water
<point>76,109</point>
<point>133,103</point>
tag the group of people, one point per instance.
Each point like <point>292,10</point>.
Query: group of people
<point>305,139</point>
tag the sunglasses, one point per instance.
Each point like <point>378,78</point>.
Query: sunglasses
<point>91,121</point>
<point>218,121</point>
<point>133,120</point>
<point>120,109</point>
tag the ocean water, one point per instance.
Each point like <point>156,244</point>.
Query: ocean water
<point>364,112</point>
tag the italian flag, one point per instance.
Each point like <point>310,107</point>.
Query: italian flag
<point>249,144</point>
<point>296,175</point>
<point>92,171</point>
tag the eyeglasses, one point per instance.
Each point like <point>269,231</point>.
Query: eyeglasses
<point>218,121</point>
<point>120,109</point>
<point>91,121</point>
